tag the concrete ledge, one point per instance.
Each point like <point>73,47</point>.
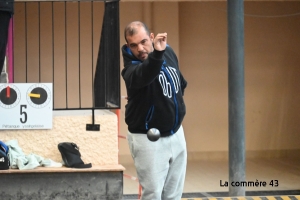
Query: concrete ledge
<point>97,183</point>
<point>105,168</point>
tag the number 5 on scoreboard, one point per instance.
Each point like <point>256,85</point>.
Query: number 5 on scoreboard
<point>22,112</point>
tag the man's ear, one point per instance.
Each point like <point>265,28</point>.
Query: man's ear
<point>151,37</point>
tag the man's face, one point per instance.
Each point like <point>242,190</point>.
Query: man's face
<point>140,43</point>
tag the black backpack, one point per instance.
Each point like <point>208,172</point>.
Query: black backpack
<point>71,155</point>
<point>4,161</point>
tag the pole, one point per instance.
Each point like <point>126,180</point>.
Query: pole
<point>236,96</point>
<point>10,54</point>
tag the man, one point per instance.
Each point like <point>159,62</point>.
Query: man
<point>6,11</point>
<point>155,90</point>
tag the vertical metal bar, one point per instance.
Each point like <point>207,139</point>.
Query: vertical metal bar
<point>92,37</point>
<point>26,46</point>
<point>66,55</point>
<point>93,116</point>
<point>78,3</point>
<point>39,22</point>
<point>53,71</point>
<point>11,51</point>
<point>236,96</point>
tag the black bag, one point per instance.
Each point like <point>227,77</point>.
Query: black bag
<point>71,155</point>
<point>4,161</point>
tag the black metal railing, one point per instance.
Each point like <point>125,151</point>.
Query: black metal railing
<point>73,44</point>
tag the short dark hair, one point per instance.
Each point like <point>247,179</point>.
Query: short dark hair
<point>130,29</point>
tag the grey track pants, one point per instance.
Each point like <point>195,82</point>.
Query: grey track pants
<point>160,165</point>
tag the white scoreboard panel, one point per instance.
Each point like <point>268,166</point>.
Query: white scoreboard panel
<point>26,106</point>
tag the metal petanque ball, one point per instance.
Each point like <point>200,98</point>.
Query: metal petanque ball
<point>153,134</point>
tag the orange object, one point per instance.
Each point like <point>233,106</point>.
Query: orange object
<point>140,192</point>
<point>8,92</point>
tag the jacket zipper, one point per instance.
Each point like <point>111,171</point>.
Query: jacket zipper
<point>149,116</point>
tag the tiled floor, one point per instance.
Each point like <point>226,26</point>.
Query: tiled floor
<point>205,176</point>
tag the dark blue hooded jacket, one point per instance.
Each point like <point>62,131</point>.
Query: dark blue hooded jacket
<point>155,89</point>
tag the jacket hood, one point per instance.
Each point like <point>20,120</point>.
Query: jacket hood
<point>128,57</point>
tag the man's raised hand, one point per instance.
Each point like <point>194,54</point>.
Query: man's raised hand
<point>160,41</point>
